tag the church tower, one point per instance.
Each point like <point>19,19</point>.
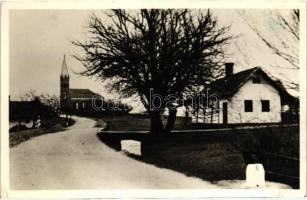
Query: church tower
<point>64,86</point>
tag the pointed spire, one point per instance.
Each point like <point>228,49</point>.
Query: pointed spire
<point>64,72</point>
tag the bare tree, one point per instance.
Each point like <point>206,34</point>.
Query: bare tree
<point>44,105</point>
<point>290,24</point>
<point>164,52</point>
<point>46,99</point>
<point>28,96</point>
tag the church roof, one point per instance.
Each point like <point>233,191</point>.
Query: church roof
<point>81,94</point>
<point>64,71</point>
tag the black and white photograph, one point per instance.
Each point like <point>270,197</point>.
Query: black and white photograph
<point>197,98</point>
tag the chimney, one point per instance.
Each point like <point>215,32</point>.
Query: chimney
<point>229,69</point>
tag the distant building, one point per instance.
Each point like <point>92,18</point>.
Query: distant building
<point>24,110</point>
<point>34,111</point>
<point>251,96</point>
<point>74,101</point>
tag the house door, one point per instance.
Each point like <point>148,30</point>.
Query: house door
<point>225,113</point>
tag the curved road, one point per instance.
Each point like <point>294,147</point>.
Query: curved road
<point>76,159</point>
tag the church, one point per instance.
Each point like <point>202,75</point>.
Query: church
<point>74,101</point>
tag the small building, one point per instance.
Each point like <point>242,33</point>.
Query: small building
<point>24,111</point>
<point>34,112</point>
<point>75,101</point>
<point>250,96</point>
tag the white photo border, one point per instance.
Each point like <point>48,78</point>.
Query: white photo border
<point>135,4</point>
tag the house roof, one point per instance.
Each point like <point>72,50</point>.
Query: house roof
<point>228,86</point>
<point>81,94</point>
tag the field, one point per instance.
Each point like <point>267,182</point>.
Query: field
<point>220,154</point>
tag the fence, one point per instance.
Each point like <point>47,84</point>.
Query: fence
<point>281,168</point>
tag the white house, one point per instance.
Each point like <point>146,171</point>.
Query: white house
<point>249,96</point>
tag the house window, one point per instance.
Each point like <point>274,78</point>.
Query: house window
<point>256,80</point>
<point>77,106</point>
<point>265,105</point>
<point>83,105</point>
<point>248,106</point>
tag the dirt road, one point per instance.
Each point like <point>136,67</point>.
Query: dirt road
<point>76,159</point>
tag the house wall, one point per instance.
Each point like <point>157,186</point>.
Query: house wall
<point>255,92</point>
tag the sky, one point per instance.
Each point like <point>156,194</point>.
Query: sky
<point>38,40</point>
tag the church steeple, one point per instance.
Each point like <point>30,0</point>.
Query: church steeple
<point>64,86</point>
<point>64,72</point>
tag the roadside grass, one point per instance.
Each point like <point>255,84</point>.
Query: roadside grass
<point>66,122</point>
<point>18,137</point>
<point>100,123</point>
<point>21,136</point>
<point>212,161</point>
<point>215,155</point>
<point>196,155</point>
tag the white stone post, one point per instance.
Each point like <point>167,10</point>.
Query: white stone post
<point>255,175</point>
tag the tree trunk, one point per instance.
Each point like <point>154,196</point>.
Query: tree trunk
<point>212,114</point>
<point>170,121</point>
<point>156,125</point>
